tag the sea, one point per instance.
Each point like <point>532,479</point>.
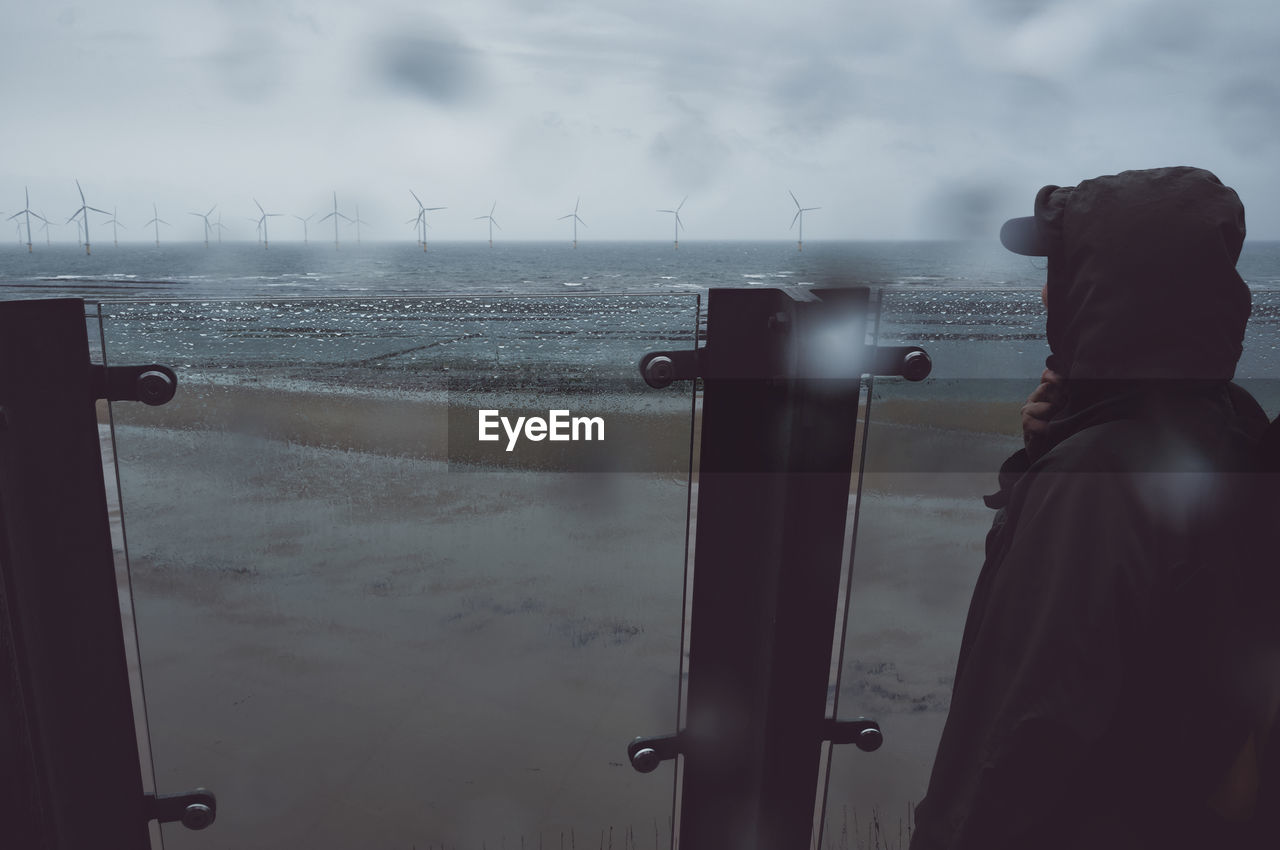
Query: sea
<point>974,306</point>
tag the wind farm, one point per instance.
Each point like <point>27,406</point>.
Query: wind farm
<point>424,219</point>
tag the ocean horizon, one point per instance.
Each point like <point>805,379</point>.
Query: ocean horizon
<point>238,270</point>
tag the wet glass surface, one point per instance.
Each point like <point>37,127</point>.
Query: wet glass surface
<point>361,627</point>
<point>932,451</point>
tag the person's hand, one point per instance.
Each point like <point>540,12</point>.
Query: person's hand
<point>1041,405</point>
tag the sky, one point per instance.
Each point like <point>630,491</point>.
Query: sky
<point>898,119</point>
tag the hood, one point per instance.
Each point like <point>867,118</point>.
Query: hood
<point>1141,280</point>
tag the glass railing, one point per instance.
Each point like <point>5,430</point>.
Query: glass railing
<point>360,625</point>
<point>363,626</point>
<point>932,449</point>
<point>93,332</point>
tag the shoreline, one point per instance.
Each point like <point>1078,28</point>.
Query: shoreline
<point>643,432</point>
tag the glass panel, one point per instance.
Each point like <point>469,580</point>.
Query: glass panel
<point>361,626</point>
<point>111,480</point>
<point>932,452</point>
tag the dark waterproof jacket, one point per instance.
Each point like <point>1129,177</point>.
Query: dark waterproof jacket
<point>1099,695</point>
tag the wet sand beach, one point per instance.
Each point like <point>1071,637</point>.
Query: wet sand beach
<point>359,636</point>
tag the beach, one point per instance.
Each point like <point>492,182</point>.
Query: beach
<point>358,640</point>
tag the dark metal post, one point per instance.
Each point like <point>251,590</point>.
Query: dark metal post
<point>780,408</point>
<point>68,752</point>
<point>782,373</point>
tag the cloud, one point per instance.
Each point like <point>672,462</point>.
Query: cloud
<point>967,209</point>
<point>1247,115</point>
<point>438,68</point>
<point>688,150</point>
<point>249,66</point>
<point>1013,11</point>
<point>815,95</point>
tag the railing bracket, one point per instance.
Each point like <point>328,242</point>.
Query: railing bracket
<point>151,385</point>
<point>194,810</point>
<point>862,732</point>
<point>646,754</point>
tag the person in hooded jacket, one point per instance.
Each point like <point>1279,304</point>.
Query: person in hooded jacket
<point>1113,686</point>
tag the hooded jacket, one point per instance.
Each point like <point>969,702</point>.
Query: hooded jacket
<point>1088,707</point>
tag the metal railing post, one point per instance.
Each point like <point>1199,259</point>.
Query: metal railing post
<point>68,751</point>
<point>782,373</point>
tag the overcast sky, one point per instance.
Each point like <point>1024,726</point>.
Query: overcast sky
<point>899,118</point>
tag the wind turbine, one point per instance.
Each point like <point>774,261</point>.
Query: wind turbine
<point>335,215</point>
<point>157,221</point>
<point>357,221</point>
<point>421,220</point>
<point>220,227</point>
<point>115,224</point>
<point>492,222</point>
<point>83,213</point>
<point>304,226</point>
<point>28,213</point>
<point>676,212</point>
<point>45,228</point>
<point>800,211</point>
<point>205,216</point>
<point>574,215</point>
<point>262,222</point>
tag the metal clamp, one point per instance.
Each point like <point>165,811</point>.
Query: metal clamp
<point>901,361</point>
<point>660,368</point>
<point>195,809</point>
<point>153,385</point>
<point>862,732</point>
<point>645,754</point>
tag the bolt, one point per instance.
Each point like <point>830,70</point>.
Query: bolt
<point>870,739</point>
<point>154,387</point>
<point>197,816</point>
<point>659,372</point>
<point>916,366</point>
<point>646,760</point>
